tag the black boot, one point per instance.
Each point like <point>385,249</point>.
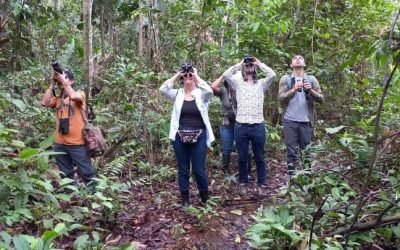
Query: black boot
<point>226,159</point>
<point>185,198</point>
<point>204,196</point>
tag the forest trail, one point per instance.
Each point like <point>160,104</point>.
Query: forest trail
<point>154,219</point>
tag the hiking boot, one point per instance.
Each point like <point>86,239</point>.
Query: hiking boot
<point>203,196</point>
<point>185,198</point>
<point>243,189</point>
<point>226,159</point>
<point>262,190</point>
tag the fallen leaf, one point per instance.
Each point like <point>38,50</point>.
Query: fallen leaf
<point>237,212</point>
<point>138,245</point>
<point>114,240</point>
<point>237,239</point>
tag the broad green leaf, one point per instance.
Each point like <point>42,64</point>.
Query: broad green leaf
<point>48,236</point>
<point>335,193</point>
<point>61,228</point>
<point>108,204</point>
<point>48,142</point>
<point>82,242</point>
<point>64,217</point>
<point>6,237</point>
<point>19,104</point>
<point>27,152</point>
<point>283,215</point>
<point>48,223</point>
<point>21,243</point>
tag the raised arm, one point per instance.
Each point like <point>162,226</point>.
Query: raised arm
<point>66,83</point>
<point>206,91</point>
<point>229,75</point>
<point>285,94</point>
<point>48,99</point>
<point>270,75</point>
<point>215,85</point>
<point>167,87</point>
<point>316,92</point>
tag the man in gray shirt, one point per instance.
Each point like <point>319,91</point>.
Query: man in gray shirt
<point>297,94</point>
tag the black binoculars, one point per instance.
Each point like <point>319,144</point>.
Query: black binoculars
<point>56,66</point>
<point>248,59</point>
<point>186,68</point>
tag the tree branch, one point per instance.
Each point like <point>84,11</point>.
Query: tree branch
<point>360,227</point>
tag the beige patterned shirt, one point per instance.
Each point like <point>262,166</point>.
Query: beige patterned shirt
<point>250,97</point>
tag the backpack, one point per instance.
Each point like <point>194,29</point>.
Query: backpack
<point>93,136</point>
<point>290,81</point>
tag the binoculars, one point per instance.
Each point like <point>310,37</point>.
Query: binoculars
<point>186,68</point>
<point>248,59</point>
<point>56,66</point>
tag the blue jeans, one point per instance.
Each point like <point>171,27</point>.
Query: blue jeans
<point>254,133</point>
<point>227,136</point>
<point>74,154</point>
<point>191,153</point>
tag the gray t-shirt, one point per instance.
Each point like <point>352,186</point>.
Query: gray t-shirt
<point>227,109</point>
<point>226,100</point>
<point>297,109</point>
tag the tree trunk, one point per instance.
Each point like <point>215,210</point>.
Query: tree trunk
<point>57,4</point>
<point>140,29</point>
<point>102,33</point>
<point>87,39</point>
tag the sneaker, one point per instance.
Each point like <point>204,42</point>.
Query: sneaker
<point>262,190</point>
<point>242,188</point>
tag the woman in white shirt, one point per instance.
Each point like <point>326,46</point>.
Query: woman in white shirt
<point>190,129</point>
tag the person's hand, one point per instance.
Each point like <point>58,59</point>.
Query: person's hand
<point>62,79</point>
<point>298,85</point>
<point>195,72</point>
<point>307,85</point>
<point>242,62</point>
<point>256,61</point>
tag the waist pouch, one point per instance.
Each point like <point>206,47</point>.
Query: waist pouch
<point>189,136</point>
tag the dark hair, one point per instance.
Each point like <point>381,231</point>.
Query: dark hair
<point>226,85</point>
<point>254,73</point>
<point>69,75</point>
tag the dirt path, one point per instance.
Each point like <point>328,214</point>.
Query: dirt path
<point>155,220</point>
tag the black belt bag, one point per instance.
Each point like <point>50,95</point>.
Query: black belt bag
<point>189,136</point>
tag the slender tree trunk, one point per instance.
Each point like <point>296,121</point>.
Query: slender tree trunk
<point>87,39</point>
<point>57,4</point>
<point>102,33</point>
<point>140,29</point>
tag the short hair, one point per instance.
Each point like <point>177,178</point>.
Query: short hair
<point>69,75</point>
<point>294,57</point>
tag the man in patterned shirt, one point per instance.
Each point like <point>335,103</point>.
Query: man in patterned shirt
<point>297,94</point>
<point>249,126</point>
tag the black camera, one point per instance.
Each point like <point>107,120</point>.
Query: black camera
<point>186,68</point>
<point>56,66</point>
<point>248,59</point>
<point>63,126</point>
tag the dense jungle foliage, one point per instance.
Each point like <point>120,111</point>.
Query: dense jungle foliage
<point>349,199</point>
